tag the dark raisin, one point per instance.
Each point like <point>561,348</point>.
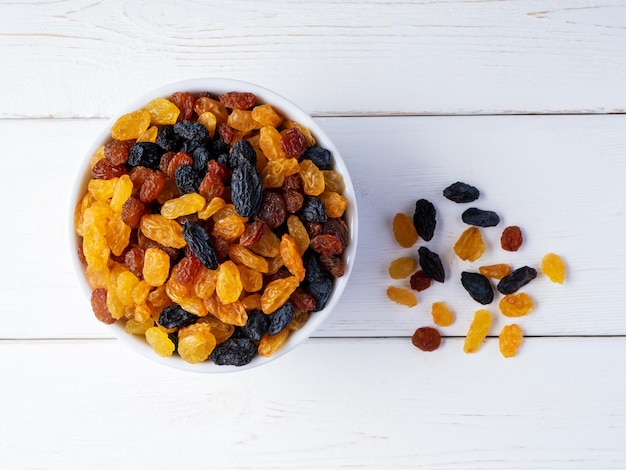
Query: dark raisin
<point>425,219</point>
<point>133,260</point>
<point>333,265</point>
<point>461,192</point>
<point>480,218</point>
<point>238,100</point>
<point>201,157</point>
<point>145,154</point>
<point>200,244</point>
<point>117,151</point>
<point>242,150</point>
<point>313,210</point>
<point>302,300</point>
<point>426,338</point>
<point>221,247</point>
<point>478,287</point>
<point>272,210</point>
<point>175,316</point>
<point>280,319</point>
<point>247,188</point>
<point>516,280</point>
<point>173,336</point>
<point>256,326</point>
<point>234,352</point>
<point>167,139</point>
<point>420,281</point>
<point>253,233</point>
<point>293,143</point>
<point>313,228</point>
<point>431,264</point>
<point>317,282</point>
<point>185,102</point>
<point>105,170</point>
<point>192,131</point>
<point>132,211</point>
<point>320,156</point>
<point>326,244</point>
<point>293,200</point>
<point>338,228</point>
<point>187,179</point>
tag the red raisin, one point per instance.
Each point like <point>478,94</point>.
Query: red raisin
<point>133,260</point>
<point>187,268</point>
<point>302,300</point>
<point>426,338</point>
<point>328,245</point>
<point>419,281</point>
<point>226,132</point>
<point>132,210</point>
<point>253,233</point>
<point>293,183</point>
<point>293,143</point>
<point>105,170</point>
<point>185,102</point>
<point>117,151</point>
<point>511,238</point>
<point>238,100</point>
<point>152,186</point>
<point>293,201</point>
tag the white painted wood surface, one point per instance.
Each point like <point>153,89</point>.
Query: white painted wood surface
<point>358,394</point>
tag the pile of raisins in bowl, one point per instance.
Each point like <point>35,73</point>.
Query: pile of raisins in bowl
<point>469,247</point>
<point>212,226</point>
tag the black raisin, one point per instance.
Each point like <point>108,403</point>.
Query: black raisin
<point>431,264</point>
<point>187,179</point>
<point>516,280</point>
<point>425,219</point>
<point>318,155</point>
<point>145,154</point>
<point>316,282</point>
<point>201,156</point>
<point>234,352</point>
<point>280,318</point>
<point>478,287</point>
<point>242,150</point>
<point>480,218</point>
<point>175,316</point>
<point>168,140</point>
<point>313,210</point>
<point>461,192</point>
<point>192,131</point>
<point>200,244</point>
<point>246,189</point>
<point>218,146</point>
<point>256,326</point>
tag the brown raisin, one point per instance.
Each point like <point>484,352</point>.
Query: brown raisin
<point>152,187</point>
<point>99,306</point>
<point>117,151</point>
<point>253,233</point>
<point>186,269</point>
<point>138,175</point>
<point>426,338</point>
<point>226,132</point>
<point>293,183</point>
<point>133,260</point>
<point>302,300</point>
<point>293,143</point>
<point>419,281</point>
<point>328,245</point>
<point>132,210</point>
<point>334,265</point>
<point>238,100</point>
<point>293,201</point>
<point>104,169</point>
<point>313,228</point>
<point>180,158</point>
<point>185,102</point>
<point>511,238</point>
<point>273,210</point>
<point>338,228</point>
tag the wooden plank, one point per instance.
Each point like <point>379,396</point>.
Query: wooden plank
<point>78,58</point>
<point>558,177</point>
<point>375,403</point>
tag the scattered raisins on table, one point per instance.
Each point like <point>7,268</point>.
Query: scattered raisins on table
<point>511,283</point>
<point>426,338</point>
<point>480,217</point>
<point>425,219</point>
<point>511,238</point>
<point>478,287</point>
<point>461,192</point>
<point>554,267</point>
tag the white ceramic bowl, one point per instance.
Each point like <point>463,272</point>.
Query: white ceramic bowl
<point>289,110</point>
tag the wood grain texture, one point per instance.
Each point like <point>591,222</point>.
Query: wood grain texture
<point>558,177</point>
<point>330,404</point>
<point>80,58</point>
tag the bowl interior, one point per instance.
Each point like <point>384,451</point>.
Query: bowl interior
<point>287,109</point>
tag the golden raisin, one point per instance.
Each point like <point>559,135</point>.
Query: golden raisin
<point>470,245</point>
<point>184,205</point>
<point>270,344</point>
<point>510,340</point>
<point>229,286</point>
<point>162,111</point>
<point>291,257</point>
<point>495,271</point>
<point>404,230</point>
<point>242,255</point>
<point>265,115</point>
<point>160,341</point>
<point>334,203</point>
<point>442,315</point>
<point>554,267</point>
<point>269,142</point>
<point>277,293</point>
<point>401,296</point>
<point>161,230</point>
<point>156,266</point>
<point>312,178</point>
<point>131,125</point>
<point>298,232</point>
<point>516,305</point>
<point>402,267</point>
<point>478,330</point>
<point>196,342</point>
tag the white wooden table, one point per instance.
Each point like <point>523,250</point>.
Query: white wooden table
<point>523,98</point>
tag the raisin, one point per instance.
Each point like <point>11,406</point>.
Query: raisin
<point>293,143</point>
<point>175,316</point>
<point>229,285</point>
<point>302,300</point>
<point>167,139</point>
<point>242,150</point>
<point>291,257</point>
<point>425,219</point>
<point>195,343</point>
<point>187,179</point>
<point>132,210</point>
<point>326,244</point>
<point>293,183</point>
<point>117,151</point>
<point>401,296</point>
<point>270,344</point>
<point>516,305</point>
<point>104,169</point>
<point>404,231</point>
<point>431,264</point>
<point>211,186</point>
<point>99,306</point>
<point>200,244</point>
<point>402,267</point>
<point>247,188</point>
<point>206,104</point>
<point>221,247</point>
<point>234,352</point>
<point>510,340</point>
<point>495,271</point>
<point>313,228</point>
<point>480,218</point>
<point>337,228</point>
<point>131,125</point>
<point>272,210</point>
<point>461,192</point>
<point>256,326</point>
<point>320,156</point>
<point>516,280</point>
<point>442,315</point>
<point>145,154</point>
<point>293,201</point>
<point>182,206</point>
<point>201,157</point>
<point>426,338</point>
<point>280,319</point>
<point>317,282</point>
<point>226,134</point>
<point>312,178</point>
<point>185,102</point>
<point>178,159</point>
<point>253,233</point>
<point>313,209</point>
<point>420,281</point>
<point>266,115</point>
<point>156,266</point>
<point>470,245</point>
<point>162,111</point>
<point>160,341</point>
<point>478,330</point>
<point>478,287</point>
<point>511,238</point>
<point>277,292</point>
<point>335,203</point>
<point>133,260</point>
<point>152,187</point>
<point>238,100</point>
<point>187,269</point>
<point>192,131</point>
<point>554,267</point>
<point>333,265</point>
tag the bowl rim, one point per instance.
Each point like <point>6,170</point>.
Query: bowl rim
<point>287,109</point>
